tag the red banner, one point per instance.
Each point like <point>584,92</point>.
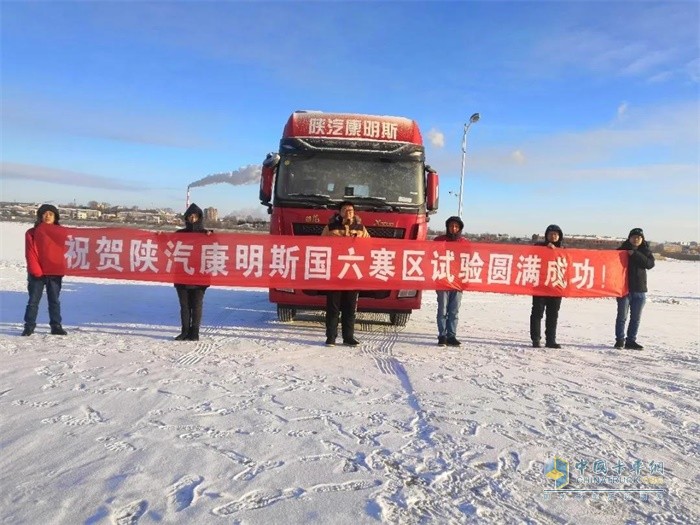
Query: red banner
<point>330,263</point>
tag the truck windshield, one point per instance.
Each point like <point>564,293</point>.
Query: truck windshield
<point>335,179</point>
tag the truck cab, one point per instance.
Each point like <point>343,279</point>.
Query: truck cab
<point>378,163</point>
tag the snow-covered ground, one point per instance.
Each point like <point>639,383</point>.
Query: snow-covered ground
<point>258,422</point>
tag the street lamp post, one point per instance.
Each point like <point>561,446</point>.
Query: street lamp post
<point>474,118</point>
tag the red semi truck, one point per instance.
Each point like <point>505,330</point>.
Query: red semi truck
<point>378,163</point>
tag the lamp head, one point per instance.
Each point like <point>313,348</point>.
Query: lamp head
<point>474,118</point>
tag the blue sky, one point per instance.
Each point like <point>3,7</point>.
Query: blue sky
<point>590,113</point>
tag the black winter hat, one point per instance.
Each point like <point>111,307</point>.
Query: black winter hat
<point>636,231</point>
<point>193,209</point>
<point>456,219</point>
<point>43,209</point>
<point>553,228</point>
<point>346,203</point>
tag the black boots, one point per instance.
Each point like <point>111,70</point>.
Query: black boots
<point>188,334</point>
<point>58,330</point>
<point>549,344</point>
<point>331,333</point>
<point>347,341</point>
<point>442,340</point>
<point>452,341</point>
<point>632,345</point>
<point>55,330</point>
<point>619,343</point>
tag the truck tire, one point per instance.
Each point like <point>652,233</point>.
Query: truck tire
<point>399,318</point>
<point>285,314</point>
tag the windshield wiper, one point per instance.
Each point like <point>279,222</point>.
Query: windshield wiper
<point>299,203</point>
<point>381,200</point>
<point>312,195</point>
<point>376,202</point>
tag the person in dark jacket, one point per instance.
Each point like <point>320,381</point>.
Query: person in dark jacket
<point>449,301</point>
<point>547,306</point>
<point>191,296</point>
<point>640,260</point>
<point>47,216</point>
<point>343,303</point>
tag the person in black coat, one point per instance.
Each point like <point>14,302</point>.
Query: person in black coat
<point>191,296</point>
<point>554,238</point>
<point>640,260</point>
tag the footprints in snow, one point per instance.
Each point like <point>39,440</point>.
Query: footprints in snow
<point>92,417</point>
<point>182,493</point>
<point>116,445</point>
<point>130,513</point>
<point>258,499</point>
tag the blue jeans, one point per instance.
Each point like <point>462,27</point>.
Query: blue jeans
<point>35,287</point>
<point>634,304</point>
<point>448,312</point>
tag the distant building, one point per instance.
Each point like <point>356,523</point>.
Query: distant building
<point>138,217</point>
<point>80,214</point>
<point>211,215</point>
<point>671,248</point>
<point>588,242</point>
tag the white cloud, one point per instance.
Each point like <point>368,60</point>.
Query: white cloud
<point>11,170</point>
<point>654,39</point>
<point>647,139</point>
<point>622,110</point>
<point>519,157</point>
<point>663,76</point>
<point>436,138</point>
<point>650,61</point>
<point>693,69</point>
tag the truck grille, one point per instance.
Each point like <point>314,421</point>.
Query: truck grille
<point>302,228</point>
<point>386,233</point>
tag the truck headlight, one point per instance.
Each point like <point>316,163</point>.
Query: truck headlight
<point>407,293</point>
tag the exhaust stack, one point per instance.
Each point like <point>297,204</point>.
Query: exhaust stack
<point>187,200</point>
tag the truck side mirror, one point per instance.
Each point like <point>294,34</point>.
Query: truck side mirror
<point>271,160</point>
<point>267,175</point>
<point>432,195</point>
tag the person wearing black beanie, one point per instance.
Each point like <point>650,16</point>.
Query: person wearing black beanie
<point>47,216</point>
<point>543,305</point>
<point>191,296</point>
<point>640,260</point>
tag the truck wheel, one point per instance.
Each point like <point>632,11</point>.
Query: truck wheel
<point>399,318</point>
<point>285,314</point>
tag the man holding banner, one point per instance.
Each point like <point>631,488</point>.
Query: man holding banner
<point>343,224</point>
<point>449,300</point>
